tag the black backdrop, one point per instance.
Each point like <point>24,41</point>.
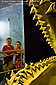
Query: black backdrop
<point>36,47</point>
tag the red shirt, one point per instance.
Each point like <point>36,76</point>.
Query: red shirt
<point>6,47</point>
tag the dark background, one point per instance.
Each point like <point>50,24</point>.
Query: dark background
<point>36,47</point>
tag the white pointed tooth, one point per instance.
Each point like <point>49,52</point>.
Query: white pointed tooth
<point>33,9</point>
<point>47,39</point>
<point>49,42</point>
<point>37,16</point>
<point>42,28</point>
<point>46,36</point>
<point>49,9</point>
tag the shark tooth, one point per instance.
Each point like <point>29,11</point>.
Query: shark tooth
<point>33,9</point>
<point>26,66</point>
<point>40,61</point>
<point>37,16</point>
<point>46,36</point>
<point>12,74</point>
<point>47,39</point>
<point>31,63</point>
<point>8,81</point>
<point>44,32</point>
<point>50,9</point>
<point>43,1</point>
<point>42,28</point>
<point>27,0</point>
<point>49,42</point>
<point>31,3</point>
<point>39,22</point>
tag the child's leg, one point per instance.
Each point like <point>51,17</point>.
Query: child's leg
<point>16,64</point>
<point>5,69</point>
<point>10,65</point>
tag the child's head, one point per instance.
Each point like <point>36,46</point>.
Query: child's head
<point>9,41</point>
<point>18,44</point>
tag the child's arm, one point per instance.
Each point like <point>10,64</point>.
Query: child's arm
<point>22,49</point>
<point>12,54</point>
<point>5,54</point>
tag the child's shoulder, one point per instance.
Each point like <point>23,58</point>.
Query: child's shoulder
<point>5,46</point>
<point>12,45</point>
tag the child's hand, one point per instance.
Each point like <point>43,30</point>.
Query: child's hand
<point>11,54</point>
<point>5,54</point>
<point>18,52</point>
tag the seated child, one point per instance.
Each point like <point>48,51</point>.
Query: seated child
<point>8,60</point>
<point>18,57</point>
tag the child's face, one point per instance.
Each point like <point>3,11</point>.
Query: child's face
<point>18,45</point>
<point>8,42</point>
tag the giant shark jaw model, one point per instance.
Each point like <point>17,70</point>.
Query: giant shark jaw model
<point>45,11</point>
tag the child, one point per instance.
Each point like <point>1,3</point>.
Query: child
<point>18,57</point>
<point>8,60</point>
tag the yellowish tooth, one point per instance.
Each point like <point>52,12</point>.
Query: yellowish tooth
<point>42,28</point>
<point>49,9</point>
<point>39,22</point>
<point>43,1</point>
<point>44,32</point>
<point>54,9</point>
<point>37,16</point>
<point>8,81</point>
<point>51,46</point>
<point>47,39</point>
<point>30,3</point>
<point>48,24</point>
<point>33,9</point>
<point>12,73</point>
<point>26,65</point>
<point>27,0</point>
<point>49,42</point>
<point>46,36</point>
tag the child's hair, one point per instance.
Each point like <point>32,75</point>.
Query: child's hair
<point>8,39</point>
<point>18,42</point>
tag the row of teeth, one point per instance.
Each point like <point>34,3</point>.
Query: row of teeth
<point>45,26</point>
<point>50,9</point>
<point>31,71</point>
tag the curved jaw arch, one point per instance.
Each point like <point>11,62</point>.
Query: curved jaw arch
<point>45,11</point>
